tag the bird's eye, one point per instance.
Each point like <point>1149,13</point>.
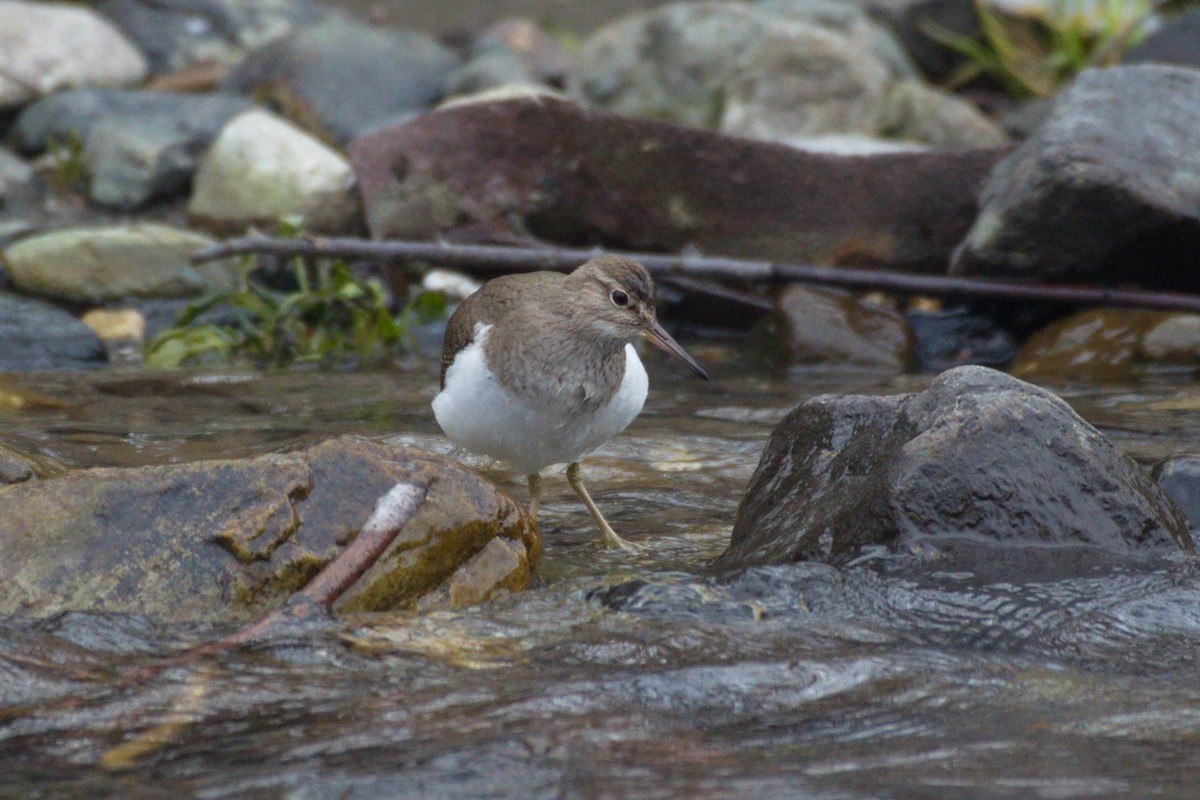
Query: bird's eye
<point>619,298</point>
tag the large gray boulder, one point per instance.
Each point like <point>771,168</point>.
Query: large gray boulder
<point>343,77</point>
<point>786,73</point>
<point>977,454</point>
<point>1108,188</point>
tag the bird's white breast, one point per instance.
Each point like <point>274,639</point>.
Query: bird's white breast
<point>480,415</point>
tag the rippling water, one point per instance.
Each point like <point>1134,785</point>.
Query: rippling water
<point>972,672</point>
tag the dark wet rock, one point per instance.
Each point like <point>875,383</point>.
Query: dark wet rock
<point>1176,42</point>
<point>545,167</point>
<point>1107,189</point>
<point>779,71</point>
<point>343,77</point>
<point>228,540</point>
<point>1111,344</point>
<point>180,33</point>
<point>45,47</point>
<point>978,454</point>
<point>96,265</point>
<point>1180,478</point>
<point>910,21</point>
<point>137,146</point>
<point>957,337</point>
<point>814,325</point>
<point>35,335</point>
<point>261,169</point>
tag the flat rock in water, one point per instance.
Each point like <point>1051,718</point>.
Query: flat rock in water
<point>261,169</point>
<point>1107,189</point>
<point>181,33</point>
<point>978,454</point>
<point>814,325</point>
<point>231,540</point>
<point>96,265</point>
<point>137,146</point>
<point>1111,345</point>
<point>546,167</point>
<point>35,335</point>
<point>344,77</point>
<point>45,47</point>
<point>778,71</point>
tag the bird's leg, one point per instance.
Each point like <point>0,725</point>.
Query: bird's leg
<point>535,493</point>
<point>608,537</point>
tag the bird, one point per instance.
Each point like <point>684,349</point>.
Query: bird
<point>539,368</point>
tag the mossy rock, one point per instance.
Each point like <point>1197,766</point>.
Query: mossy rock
<point>231,540</point>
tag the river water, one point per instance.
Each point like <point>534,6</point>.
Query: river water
<point>1055,673</point>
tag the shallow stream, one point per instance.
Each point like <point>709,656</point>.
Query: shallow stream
<point>1060,673</point>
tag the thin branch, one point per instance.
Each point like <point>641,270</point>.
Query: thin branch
<point>493,258</point>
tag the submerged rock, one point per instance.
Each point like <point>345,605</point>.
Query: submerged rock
<point>230,540</point>
<point>826,326</point>
<point>1111,345</point>
<point>545,167</point>
<point>977,454</point>
<point>45,47</point>
<point>35,335</point>
<point>956,337</point>
<point>789,70</point>
<point>1179,477</point>
<point>261,169</point>
<point>1107,189</point>
<point>96,265</point>
<point>343,77</point>
<point>137,146</point>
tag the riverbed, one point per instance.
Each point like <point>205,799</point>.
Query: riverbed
<point>965,672</point>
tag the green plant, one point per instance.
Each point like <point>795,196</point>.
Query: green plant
<point>67,168</point>
<point>1035,54</point>
<point>333,315</point>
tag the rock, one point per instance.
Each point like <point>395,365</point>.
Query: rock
<point>780,76</point>
<point>1107,189</point>
<point>826,326</point>
<point>97,265</point>
<point>35,335</point>
<point>545,167</point>
<point>910,21</point>
<point>18,465</point>
<point>13,173</point>
<point>977,454</point>
<point>343,77</point>
<point>543,56</point>
<point>137,146</point>
<point>231,540</point>
<point>1179,477</point>
<point>45,47</point>
<point>957,337</point>
<point>116,324</point>
<point>916,112</point>
<point>183,33</point>
<point>489,70</point>
<point>1176,42</point>
<point>261,169</point>
<point>1111,345</point>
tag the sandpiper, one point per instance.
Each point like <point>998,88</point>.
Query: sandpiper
<point>539,369</point>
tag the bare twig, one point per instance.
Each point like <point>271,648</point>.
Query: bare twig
<point>492,258</point>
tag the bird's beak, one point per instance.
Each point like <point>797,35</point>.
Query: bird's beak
<point>663,341</point>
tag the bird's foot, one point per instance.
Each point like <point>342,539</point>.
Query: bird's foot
<point>609,540</point>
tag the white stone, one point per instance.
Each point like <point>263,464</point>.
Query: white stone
<point>45,47</point>
<point>261,168</point>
